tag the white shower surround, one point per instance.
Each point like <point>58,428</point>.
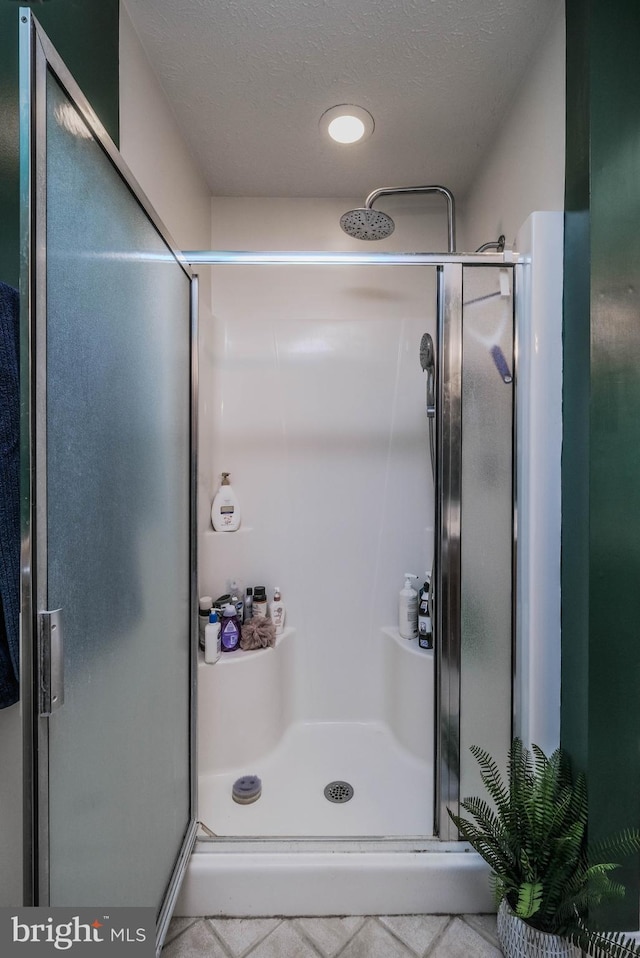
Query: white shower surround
<point>387,759</point>
<point>259,878</point>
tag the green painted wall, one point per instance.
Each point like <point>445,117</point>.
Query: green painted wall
<point>601,456</point>
<point>85,33</point>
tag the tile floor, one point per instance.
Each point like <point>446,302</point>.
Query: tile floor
<point>393,936</point>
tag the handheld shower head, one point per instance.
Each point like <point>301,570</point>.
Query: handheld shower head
<point>428,363</point>
<point>367,224</point>
<point>427,355</point>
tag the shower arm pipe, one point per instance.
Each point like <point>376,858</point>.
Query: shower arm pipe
<point>451,204</point>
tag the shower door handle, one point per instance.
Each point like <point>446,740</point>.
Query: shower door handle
<point>51,661</point>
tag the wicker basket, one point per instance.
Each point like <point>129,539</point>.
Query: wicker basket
<point>519,940</point>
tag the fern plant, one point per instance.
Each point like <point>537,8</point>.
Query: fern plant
<point>535,841</point>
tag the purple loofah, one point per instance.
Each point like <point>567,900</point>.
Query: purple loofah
<point>258,633</point>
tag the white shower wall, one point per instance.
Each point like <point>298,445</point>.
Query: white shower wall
<point>319,414</point>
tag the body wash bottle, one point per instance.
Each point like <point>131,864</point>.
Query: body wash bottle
<point>230,629</point>
<point>225,511</point>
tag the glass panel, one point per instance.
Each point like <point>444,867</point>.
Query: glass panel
<point>118,526</point>
<point>487,530</point>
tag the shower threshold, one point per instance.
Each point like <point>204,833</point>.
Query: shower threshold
<point>255,877</point>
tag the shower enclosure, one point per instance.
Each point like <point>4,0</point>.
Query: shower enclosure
<point>109,640</point>
<point>323,423</point>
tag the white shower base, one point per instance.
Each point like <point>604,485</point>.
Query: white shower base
<point>252,721</point>
<point>293,852</point>
<point>385,777</point>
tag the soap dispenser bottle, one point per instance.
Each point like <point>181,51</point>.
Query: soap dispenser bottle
<point>408,609</point>
<point>225,511</point>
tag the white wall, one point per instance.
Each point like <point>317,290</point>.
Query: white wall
<point>319,415</point>
<point>154,150</point>
<point>524,170</point>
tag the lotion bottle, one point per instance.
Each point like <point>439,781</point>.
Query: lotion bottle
<point>408,609</point>
<point>212,644</point>
<point>225,511</point>
<point>277,611</point>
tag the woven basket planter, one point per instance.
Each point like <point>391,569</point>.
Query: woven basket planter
<point>519,940</point>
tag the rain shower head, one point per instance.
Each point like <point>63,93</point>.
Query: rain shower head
<point>367,224</point>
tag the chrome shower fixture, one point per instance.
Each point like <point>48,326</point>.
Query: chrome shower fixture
<point>495,244</point>
<point>366,223</point>
<point>428,363</point>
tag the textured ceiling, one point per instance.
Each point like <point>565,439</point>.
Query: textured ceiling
<point>249,80</point>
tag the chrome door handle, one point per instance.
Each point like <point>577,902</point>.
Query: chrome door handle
<point>51,661</point>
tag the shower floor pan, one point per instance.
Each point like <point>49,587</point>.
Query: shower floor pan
<point>392,789</point>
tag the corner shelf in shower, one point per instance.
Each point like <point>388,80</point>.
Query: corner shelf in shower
<point>230,658</point>
<point>407,645</point>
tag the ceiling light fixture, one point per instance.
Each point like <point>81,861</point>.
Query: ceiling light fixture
<point>347,123</point>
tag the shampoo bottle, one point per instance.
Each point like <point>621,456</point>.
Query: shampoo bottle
<point>205,604</point>
<point>248,604</point>
<point>225,511</point>
<point>277,611</point>
<point>230,631</point>
<point>425,625</point>
<point>408,609</point>
<point>259,606</point>
<point>212,643</point>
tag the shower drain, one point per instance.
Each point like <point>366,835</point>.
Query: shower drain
<point>338,792</point>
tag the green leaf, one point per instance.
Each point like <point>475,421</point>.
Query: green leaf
<point>529,899</point>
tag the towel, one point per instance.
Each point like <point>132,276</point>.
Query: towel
<point>9,494</point>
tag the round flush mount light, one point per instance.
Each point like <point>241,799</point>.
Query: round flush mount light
<point>347,123</point>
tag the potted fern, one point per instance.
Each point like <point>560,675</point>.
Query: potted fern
<point>546,877</point>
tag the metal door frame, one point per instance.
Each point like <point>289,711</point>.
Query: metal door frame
<point>37,58</point>
<point>448,481</point>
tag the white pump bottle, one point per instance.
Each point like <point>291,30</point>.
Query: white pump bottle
<point>225,511</point>
<point>408,609</point>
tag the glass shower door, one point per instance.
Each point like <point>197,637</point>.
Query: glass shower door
<point>108,535</point>
<point>476,527</point>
